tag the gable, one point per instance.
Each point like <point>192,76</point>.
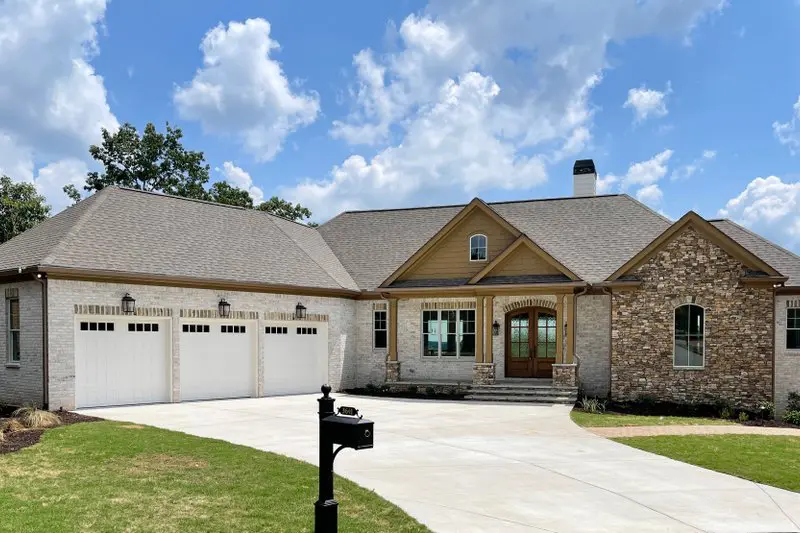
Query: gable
<point>449,256</point>
<point>694,223</point>
<point>522,261</point>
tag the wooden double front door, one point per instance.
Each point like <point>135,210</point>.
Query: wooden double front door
<point>530,343</point>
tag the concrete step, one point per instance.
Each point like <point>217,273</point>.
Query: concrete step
<point>563,399</point>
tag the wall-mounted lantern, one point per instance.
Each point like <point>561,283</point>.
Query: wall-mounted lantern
<point>224,309</point>
<point>128,304</point>
<point>300,311</point>
<point>496,328</point>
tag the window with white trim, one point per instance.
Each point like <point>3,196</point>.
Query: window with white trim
<point>793,328</point>
<point>379,331</point>
<point>689,336</point>
<point>478,245</point>
<point>14,347</point>
<point>448,333</point>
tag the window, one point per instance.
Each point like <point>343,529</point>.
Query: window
<point>793,329</point>
<point>97,326</point>
<point>448,333</point>
<point>306,331</point>
<point>689,336</point>
<point>477,248</point>
<point>233,329</point>
<point>196,328</point>
<point>380,337</point>
<point>142,327</point>
<point>14,350</point>
<point>276,330</point>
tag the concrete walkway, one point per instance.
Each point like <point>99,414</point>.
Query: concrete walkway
<point>654,431</point>
<point>478,467</point>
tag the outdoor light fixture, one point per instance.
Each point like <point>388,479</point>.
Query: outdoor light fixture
<point>224,309</point>
<point>300,311</point>
<point>128,304</point>
<point>496,328</point>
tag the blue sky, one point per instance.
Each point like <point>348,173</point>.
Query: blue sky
<point>363,104</point>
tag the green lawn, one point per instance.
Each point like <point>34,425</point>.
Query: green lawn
<point>617,419</point>
<point>769,459</point>
<point>106,476</point>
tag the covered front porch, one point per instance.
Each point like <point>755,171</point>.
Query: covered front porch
<point>483,338</point>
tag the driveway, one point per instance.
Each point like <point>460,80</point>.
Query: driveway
<point>477,467</point>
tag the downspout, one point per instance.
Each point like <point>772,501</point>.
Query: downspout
<point>42,279</point>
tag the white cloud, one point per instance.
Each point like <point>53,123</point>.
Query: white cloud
<point>770,206</point>
<point>238,177</point>
<point>544,57</point>
<point>605,184</point>
<point>651,194</point>
<point>50,181</point>
<point>446,155</point>
<point>242,91</point>
<point>52,102</point>
<point>648,103</point>
<point>787,133</point>
<point>697,165</point>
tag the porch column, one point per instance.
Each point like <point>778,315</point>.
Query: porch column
<point>571,301</point>
<point>479,329</point>
<point>488,354</point>
<point>392,364</point>
<point>560,328</point>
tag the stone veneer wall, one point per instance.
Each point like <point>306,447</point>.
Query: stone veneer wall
<point>370,361</point>
<point>738,329</point>
<point>787,362</point>
<point>593,344</point>
<point>22,383</point>
<point>63,295</point>
<point>413,366</point>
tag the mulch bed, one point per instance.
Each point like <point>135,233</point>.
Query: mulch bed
<point>22,439</point>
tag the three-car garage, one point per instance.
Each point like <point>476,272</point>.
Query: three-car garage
<point>120,361</point>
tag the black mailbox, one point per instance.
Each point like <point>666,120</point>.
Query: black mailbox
<point>349,431</point>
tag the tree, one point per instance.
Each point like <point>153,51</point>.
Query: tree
<point>21,208</point>
<point>72,193</point>
<point>153,162</point>
<point>223,192</point>
<point>282,208</point>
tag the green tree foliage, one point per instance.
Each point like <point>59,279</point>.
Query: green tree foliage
<point>72,193</point>
<point>223,192</point>
<point>282,208</point>
<point>21,208</point>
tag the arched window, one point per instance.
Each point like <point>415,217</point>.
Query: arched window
<point>477,248</point>
<point>689,336</point>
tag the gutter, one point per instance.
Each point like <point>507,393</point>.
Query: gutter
<point>42,279</point>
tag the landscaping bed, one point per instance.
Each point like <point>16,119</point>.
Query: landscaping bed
<point>435,391</point>
<point>19,438</point>
<point>109,476</point>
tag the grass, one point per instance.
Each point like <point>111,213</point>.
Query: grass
<point>768,459</point>
<point>107,476</point>
<point>585,419</point>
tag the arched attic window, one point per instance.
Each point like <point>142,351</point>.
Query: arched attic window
<point>689,336</point>
<point>478,247</point>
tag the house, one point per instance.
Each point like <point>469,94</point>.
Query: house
<point>134,297</point>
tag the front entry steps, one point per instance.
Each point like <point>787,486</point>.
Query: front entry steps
<point>524,391</point>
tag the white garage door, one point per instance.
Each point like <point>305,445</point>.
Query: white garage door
<point>218,359</point>
<point>121,361</point>
<point>295,357</point>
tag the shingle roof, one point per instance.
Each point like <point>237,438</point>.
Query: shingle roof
<point>127,231</point>
<point>778,258</point>
<point>591,236</point>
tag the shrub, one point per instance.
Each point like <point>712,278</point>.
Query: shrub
<point>794,402</point>
<point>592,405</point>
<point>34,418</point>
<point>412,389</point>
<point>743,416</point>
<point>766,410</point>
<point>792,417</point>
<point>11,426</point>
<point>371,387</point>
<point>430,391</point>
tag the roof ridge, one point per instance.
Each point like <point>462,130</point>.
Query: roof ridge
<point>96,200</point>
<point>647,207</point>
<point>757,236</point>
<point>207,202</point>
<point>303,249</point>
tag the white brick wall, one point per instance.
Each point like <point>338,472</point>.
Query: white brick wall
<point>22,384</point>
<point>64,294</point>
<point>413,366</point>
<point>787,362</point>
<point>370,362</point>
<point>593,343</point>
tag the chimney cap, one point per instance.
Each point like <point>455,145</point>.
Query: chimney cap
<point>584,166</point>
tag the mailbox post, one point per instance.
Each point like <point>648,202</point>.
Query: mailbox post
<point>347,429</point>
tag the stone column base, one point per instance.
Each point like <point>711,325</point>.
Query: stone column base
<point>392,371</point>
<point>565,375</point>
<point>483,374</point>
